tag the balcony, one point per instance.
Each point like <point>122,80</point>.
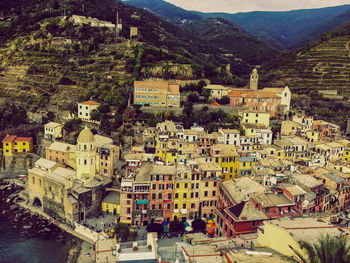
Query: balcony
<point>183,211</point>
<point>176,210</point>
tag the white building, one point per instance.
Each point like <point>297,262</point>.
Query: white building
<point>231,136</point>
<point>265,135</point>
<point>306,121</point>
<point>284,94</point>
<point>53,131</point>
<point>85,108</point>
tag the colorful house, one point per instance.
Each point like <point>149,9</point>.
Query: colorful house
<point>226,157</point>
<point>111,203</point>
<point>17,145</point>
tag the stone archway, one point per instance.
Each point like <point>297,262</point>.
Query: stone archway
<point>37,202</point>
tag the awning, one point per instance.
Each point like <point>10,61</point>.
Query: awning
<point>141,202</point>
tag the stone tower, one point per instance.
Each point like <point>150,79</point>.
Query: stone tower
<point>254,79</point>
<point>86,156</point>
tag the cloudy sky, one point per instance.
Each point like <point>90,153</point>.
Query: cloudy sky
<point>234,6</point>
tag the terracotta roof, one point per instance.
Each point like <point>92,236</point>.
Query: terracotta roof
<point>9,138</point>
<point>90,102</point>
<point>252,94</point>
<point>23,139</point>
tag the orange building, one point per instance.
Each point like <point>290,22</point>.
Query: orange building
<point>255,100</point>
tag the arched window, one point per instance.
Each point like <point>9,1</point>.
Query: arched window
<point>85,147</point>
<point>85,162</point>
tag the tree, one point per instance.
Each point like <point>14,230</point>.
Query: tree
<point>176,226</point>
<point>104,108</point>
<point>193,97</point>
<point>96,115</point>
<point>198,225</point>
<point>224,100</point>
<point>123,232</point>
<point>328,249</point>
<point>154,227</point>
<point>72,125</point>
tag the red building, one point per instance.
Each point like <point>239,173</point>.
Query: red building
<point>162,192</point>
<point>255,100</point>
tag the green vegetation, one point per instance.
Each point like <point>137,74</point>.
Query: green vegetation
<point>124,232</point>
<point>328,249</point>
<point>11,116</point>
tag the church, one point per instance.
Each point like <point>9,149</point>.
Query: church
<point>68,194</point>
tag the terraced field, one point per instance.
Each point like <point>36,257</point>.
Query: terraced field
<point>325,66</point>
<point>26,73</point>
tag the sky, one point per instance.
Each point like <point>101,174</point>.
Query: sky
<point>234,6</point>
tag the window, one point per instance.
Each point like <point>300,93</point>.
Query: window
<point>161,187</point>
<point>176,195</point>
<point>177,185</point>
<point>176,206</point>
<point>153,206</point>
<point>170,178</point>
<point>214,193</point>
<point>169,196</point>
<point>154,186</point>
<point>128,210</point>
<point>129,196</point>
<point>214,183</point>
<point>168,206</point>
<point>185,195</point>
<point>197,194</point>
<point>184,206</point>
<point>193,205</point>
<point>206,184</point>
<point>153,196</point>
<point>160,206</point>
<point>160,196</point>
<point>185,186</point>
<point>205,193</point>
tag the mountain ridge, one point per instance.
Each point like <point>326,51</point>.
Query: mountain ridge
<point>280,29</point>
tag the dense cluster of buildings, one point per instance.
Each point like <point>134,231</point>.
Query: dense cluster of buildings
<point>243,181</point>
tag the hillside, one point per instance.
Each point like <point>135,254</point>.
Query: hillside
<point>166,10</point>
<point>46,60</point>
<point>284,30</point>
<point>322,65</point>
<point>243,49</point>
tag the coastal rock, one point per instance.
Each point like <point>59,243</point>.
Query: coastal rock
<point>13,207</point>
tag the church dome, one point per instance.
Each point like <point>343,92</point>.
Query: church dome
<point>86,136</point>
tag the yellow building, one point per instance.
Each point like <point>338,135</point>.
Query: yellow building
<point>346,155</point>
<point>111,203</point>
<point>156,93</point>
<point>227,158</point>
<point>255,117</point>
<point>17,145</point>
<point>312,136</point>
<point>182,193</point>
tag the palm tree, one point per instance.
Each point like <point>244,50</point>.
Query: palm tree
<point>328,249</point>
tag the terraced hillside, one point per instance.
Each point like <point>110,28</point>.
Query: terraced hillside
<point>324,66</point>
<point>41,70</point>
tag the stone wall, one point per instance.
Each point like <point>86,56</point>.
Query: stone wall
<point>12,166</point>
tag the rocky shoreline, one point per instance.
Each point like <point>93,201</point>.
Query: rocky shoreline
<point>32,225</point>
